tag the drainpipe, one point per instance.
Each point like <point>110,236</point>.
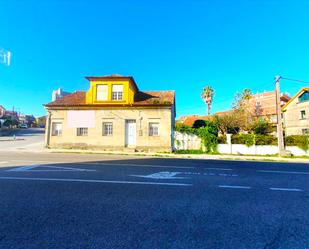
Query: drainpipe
<point>47,132</point>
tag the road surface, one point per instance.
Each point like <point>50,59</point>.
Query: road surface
<point>31,139</point>
<point>100,201</point>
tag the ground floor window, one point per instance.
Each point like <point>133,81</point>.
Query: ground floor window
<point>82,131</point>
<point>107,129</point>
<point>153,129</point>
<point>56,129</point>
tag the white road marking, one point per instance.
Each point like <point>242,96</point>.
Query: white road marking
<point>94,181</point>
<point>287,189</point>
<point>284,172</point>
<point>234,186</point>
<point>54,168</point>
<point>162,175</point>
<point>24,168</point>
<point>135,165</point>
<point>218,169</point>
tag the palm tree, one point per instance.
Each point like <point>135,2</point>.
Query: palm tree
<point>207,95</point>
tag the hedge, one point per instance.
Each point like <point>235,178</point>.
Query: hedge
<point>301,141</point>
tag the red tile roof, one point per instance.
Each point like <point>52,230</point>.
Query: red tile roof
<point>190,120</point>
<point>149,98</point>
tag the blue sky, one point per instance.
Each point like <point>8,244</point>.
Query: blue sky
<point>179,45</point>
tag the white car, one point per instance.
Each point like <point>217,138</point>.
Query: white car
<point>23,126</point>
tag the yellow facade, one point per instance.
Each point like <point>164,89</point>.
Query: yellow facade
<point>128,92</point>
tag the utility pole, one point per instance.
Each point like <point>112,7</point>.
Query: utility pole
<point>279,119</point>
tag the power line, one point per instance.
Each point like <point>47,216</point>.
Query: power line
<point>300,81</point>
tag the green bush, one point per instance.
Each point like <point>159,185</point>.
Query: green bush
<point>222,140</point>
<point>182,128</point>
<point>199,123</point>
<point>209,137</point>
<point>247,139</point>
<point>251,139</point>
<point>260,127</point>
<point>301,141</point>
<point>266,140</point>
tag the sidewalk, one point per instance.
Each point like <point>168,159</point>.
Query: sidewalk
<point>188,156</point>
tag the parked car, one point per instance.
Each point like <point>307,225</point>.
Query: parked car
<point>23,126</point>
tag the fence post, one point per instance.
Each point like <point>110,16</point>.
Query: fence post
<point>229,142</point>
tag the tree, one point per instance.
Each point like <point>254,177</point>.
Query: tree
<point>243,110</point>
<point>207,95</point>
<point>228,123</point>
<point>199,123</point>
<point>261,127</point>
<point>241,99</point>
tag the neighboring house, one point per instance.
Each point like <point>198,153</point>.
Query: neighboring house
<point>58,94</point>
<point>296,114</point>
<point>2,111</point>
<point>41,121</point>
<point>263,105</point>
<point>113,115</point>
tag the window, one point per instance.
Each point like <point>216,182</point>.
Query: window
<point>102,92</point>
<point>303,114</point>
<point>82,131</point>
<point>117,91</point>
<point>107,129</point>
<point>153,129</point>
<point>56,129</point>
<point>305,131</point>
<point>304,97</point>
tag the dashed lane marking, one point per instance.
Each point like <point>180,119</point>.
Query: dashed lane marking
<point>95,181</point>
<point>287,189</point>
<point>284,172</point>
<point>218,169</point>
<point>234,186</point>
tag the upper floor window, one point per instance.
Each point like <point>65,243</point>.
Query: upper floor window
<point>56,129</point>
<point>117,92</point>
<point>82,132</point>
<point>107,129</point>
<point>153,129</point>
<point>304,97</point>
<point>102,92</point>
<point>303,114</point>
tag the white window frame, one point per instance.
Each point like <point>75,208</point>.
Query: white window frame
<point>107,128</point>
<point>117,92</point>
<point>302,114</point>
<point>56,129</point>
<point>153,129</point>
<point>102,95</point>
<point>82,131</point>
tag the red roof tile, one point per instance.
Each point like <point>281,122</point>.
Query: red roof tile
<point>149,98</point>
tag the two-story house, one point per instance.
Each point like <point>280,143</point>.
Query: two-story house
<point>296,114</point>
<point>112,115</point>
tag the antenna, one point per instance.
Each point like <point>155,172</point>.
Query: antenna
<point>5,57</point>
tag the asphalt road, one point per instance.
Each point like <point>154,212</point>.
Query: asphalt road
<point>31,139</point>
<point>101,201</point>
